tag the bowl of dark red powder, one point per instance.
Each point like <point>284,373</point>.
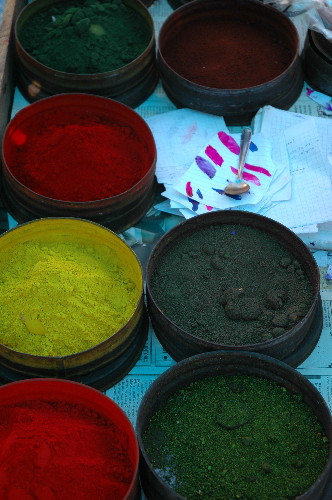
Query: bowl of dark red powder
<point>62,439</point>
<point>234,280</point>
<point>99,47</point>
<point>78,155</point>
<point>230,58</point>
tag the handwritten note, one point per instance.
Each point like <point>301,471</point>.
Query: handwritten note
<point>311,201</point>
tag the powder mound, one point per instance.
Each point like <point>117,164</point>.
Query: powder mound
<point>80,162</point>
<point>53,450</point>
<point>60,298</point>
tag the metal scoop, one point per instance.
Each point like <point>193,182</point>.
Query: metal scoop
<point>239,185</point>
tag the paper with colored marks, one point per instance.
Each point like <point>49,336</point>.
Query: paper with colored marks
<point>214,166</point>
<point>179,200</point>
<point>324,100</point>
<point>177,134</point>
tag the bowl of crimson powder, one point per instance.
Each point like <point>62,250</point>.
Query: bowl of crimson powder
<point>228,425</point>
<point>99,47</point>
<point>62,439</point>
<point>234,280</point>
<point>229,58</point>
<point>78,155</point>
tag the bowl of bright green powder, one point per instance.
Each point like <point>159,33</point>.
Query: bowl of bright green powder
<point>103,47</point>
<point>230,425</point>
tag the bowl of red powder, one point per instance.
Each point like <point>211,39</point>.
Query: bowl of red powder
<point>102,48</point>
<point>78,155</point>
<point>229,58</point>
<point>62,439</point>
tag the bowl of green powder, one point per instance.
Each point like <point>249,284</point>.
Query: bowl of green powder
<point>234,280</point>
<point>229,425</point>
<point>71,303</point>
<point>98,47</point>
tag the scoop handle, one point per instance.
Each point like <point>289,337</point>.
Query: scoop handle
<point>244,146</point>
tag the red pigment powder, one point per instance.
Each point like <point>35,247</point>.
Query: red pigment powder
<point>56,450</point>
<point>225,53</point>
<point>82,161</point>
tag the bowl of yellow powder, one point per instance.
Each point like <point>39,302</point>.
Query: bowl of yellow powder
<point>71,303</point>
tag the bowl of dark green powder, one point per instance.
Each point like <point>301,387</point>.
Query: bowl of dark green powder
<point>234,425</point>
<point>234,280</point>
<point>93,46</point>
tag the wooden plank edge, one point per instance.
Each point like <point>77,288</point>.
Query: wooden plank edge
<point>7,79</point>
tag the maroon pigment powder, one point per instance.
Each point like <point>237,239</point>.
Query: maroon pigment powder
<point>227,52</point>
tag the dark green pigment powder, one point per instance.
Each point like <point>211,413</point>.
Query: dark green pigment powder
<point>231,284</point>
<point>236,437</point>
<point>86,37</point>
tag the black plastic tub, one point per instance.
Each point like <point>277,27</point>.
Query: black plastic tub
<point>317,62</point>
<point>227,363</point>
<point>292,346</point>
<point>131,84</point>
<point>196,85</point>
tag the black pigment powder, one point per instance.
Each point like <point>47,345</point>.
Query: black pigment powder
<point>232,284</point>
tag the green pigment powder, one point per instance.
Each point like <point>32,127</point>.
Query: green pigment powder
<point>231,284</point>
<point>86,37</point>
<point>236,437</point>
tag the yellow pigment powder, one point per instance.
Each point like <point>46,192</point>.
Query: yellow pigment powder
<point>60,298</point>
